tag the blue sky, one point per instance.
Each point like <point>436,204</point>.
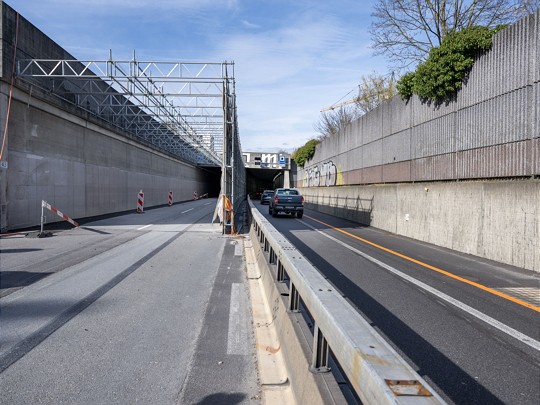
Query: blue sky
<point>291,57</point>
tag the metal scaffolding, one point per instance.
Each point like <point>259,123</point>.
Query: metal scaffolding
<point>187,109</point>
<point>179,107</point>
<point>233,171</point>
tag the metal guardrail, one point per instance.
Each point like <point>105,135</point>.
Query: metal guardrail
<point>374,369</point>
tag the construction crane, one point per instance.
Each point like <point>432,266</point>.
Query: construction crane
<point>334,106</point>
<point>343,103</point>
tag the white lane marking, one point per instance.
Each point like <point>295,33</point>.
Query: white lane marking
<point>237,335</point>
<point>464,307</point>
<point>183,212</point>
<point>142,227</point>
<point>207,204</point>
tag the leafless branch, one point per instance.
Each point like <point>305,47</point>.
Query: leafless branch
<point>406,30</point>
<point>333,121</point>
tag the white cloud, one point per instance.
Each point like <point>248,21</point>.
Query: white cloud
<point>286,75</point>
<point>250,25</point>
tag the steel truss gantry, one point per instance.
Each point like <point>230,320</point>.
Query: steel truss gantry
<point>180,107</point>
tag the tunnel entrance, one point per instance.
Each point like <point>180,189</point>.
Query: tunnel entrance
<point>266,171</point>
<point>212,180</point>
<point>262,179</point>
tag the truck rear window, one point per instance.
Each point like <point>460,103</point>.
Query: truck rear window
<point>288,192</point>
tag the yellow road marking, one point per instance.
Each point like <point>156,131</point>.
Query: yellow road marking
<point>428,266</point>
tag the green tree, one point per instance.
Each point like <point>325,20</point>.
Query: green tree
<point>447,65</point>
<point>305,152</point>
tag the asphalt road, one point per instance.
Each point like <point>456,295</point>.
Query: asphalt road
<point>149,308</point>
<point>469,326</point>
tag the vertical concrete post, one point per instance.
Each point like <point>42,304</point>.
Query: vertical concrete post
<point>286,179</point>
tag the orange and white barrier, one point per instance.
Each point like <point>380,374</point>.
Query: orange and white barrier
<point>45,204</point>
<point>140,202</point>
<point>170,198</point>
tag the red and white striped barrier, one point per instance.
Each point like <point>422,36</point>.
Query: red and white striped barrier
<point>170,198</point>
<point>195,195</point>
<point>140,203</point>
<point>45,204</point>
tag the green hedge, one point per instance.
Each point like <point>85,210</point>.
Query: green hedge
<point>304,153</point>
<point>443,72</point>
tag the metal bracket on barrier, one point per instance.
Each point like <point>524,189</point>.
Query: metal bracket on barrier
<point>321,352</point>
<point>273,257</point>
<point>280,272</point>
<point>294,299</point>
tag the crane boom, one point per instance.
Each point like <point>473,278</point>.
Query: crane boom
<point>334,106</point>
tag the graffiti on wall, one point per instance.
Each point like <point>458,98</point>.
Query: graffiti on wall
<point>323,175</point>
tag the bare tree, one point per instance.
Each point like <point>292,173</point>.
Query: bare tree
<point>373,90</point>
<point>406,30</point>
<point>527,7</point>
<point>334,120</point>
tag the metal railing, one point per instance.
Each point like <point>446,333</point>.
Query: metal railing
<point>374,369</point>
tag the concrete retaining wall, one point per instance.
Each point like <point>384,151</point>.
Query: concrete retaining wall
<point>489,130</point>
<point>498,220</point>
<point>80,168</point>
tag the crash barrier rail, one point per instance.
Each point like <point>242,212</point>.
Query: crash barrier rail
<point>374,369</point>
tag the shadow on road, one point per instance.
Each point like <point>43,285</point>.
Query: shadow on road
<point>18,250</point>
<point>222,398</point>
<point>14,279</point>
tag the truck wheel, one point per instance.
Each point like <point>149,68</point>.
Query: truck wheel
<point>270,210</point>
<point>299,214</point>
<point>274,213</point>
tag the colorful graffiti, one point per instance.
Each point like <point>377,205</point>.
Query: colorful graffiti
<point>322,175</point>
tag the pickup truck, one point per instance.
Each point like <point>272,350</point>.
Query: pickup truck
<point>288,200</point>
